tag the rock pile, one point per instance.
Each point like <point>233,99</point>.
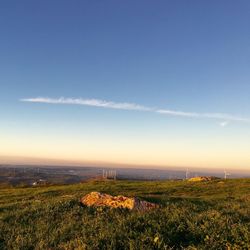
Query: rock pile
<point>97,199</point>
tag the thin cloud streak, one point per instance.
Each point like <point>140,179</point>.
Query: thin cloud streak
<point>132,106</point>
<point>88,102</point>
<point>219,116</point>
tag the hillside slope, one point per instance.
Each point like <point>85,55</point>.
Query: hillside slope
<point>206,215</point>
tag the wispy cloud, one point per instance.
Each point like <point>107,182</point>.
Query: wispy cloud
<point>223,124</point>
<point>88,102</point>
<point>218,116</point>
<point>132,106</point>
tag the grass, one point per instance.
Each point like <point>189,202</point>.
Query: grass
<point>207,215</point>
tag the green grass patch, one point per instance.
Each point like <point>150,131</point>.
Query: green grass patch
<point>208,215</point>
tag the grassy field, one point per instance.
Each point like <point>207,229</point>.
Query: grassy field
<point>208,215</point>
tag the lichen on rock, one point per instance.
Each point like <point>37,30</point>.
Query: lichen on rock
<point>97,199</point>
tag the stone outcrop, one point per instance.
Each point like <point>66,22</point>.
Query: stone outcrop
<point>97,199</point>
<point>203,178</point>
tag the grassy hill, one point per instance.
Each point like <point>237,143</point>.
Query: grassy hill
<point>206,215</point>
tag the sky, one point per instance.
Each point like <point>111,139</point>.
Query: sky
<point>149,83</point>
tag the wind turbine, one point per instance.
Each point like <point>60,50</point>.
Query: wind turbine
<point>187,173</point>
<point>226,174</point>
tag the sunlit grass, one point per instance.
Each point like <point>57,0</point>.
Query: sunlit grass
<point>209,215</point>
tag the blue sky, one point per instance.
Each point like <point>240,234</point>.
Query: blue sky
<point>186,56</point>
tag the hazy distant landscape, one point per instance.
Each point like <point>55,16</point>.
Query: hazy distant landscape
<point>27,175</point>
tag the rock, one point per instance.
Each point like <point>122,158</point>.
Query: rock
<point>203,178</point>
<point>97,199</point>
